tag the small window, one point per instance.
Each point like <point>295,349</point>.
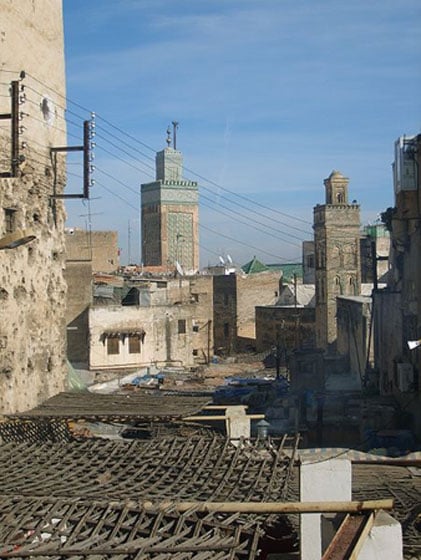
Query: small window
<point>195,298</point>
<point>113,345</point>
<point>195,328</point>
<point>181,326</point>
<point>9,218</point>
<point>195,352</point>
<point>134,344</point>
<point>226,330</point>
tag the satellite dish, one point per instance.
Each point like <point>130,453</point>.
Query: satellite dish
<point>414,344</point>
<point>229,259</point>
<point>221,260</point>
<point>179,268</point>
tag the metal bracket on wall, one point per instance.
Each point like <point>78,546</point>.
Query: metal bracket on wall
<point>88,156</point>
<point>13,116</point>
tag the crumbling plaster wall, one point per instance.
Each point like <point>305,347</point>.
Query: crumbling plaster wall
<point>163,343</point>
<point>32,287</point>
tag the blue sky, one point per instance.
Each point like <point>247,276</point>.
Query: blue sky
<point>271,96</point>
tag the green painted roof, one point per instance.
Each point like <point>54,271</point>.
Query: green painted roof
<point>254,266</point>
<point>288,270</point>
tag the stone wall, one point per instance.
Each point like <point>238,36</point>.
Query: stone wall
<point>253,290</point>
<point>201,298</point>
<point>353,321</point>
<point>337,252</point>
<point>78,276</point>
<point>167,338</point>
<point>380,237</point>
<point>309,262</point>
<point>32,287</point>
<point>99,247</point>
<point>291,328</point>
<point>174,314</point>
<point>197,291</point>
<point>235,298</point>
<point>225,313</point>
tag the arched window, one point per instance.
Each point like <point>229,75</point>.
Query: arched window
<point>338,285</point>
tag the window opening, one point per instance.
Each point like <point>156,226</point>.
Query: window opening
<point>113,345</point>
<point>134,344</point>
<point>9,218</point>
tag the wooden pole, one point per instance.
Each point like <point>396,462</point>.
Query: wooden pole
<point>221,417</point>
<point>272,507</point>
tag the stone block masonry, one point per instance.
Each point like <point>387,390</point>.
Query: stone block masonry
<point>32,287</point>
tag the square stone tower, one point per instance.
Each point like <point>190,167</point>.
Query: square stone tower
<point>170,215</point>
<point>337,255</point>
<point>32,287</point>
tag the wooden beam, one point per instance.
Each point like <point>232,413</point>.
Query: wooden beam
<point>223,417</point>
<point>273,507</point>
<point>349,538</point>
<point>223,406</point>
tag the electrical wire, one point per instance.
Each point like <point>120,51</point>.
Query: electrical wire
<point>276,230</point>
<point>251,225</point>
<point>134,139</point>
<point>211,190</point>
<point>99,147</point>
<point>243,243</point>
<point>116,195</point>
<point>131,189</point>
<point>148,166</point>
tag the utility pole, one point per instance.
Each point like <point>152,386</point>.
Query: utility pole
<point>129,252</point>
<point>297,316</point>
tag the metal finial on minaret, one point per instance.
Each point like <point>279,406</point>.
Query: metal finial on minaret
<point>169,136</point>
<point>175,126</point>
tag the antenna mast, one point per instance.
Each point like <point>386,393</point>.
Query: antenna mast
<point>175,126</point>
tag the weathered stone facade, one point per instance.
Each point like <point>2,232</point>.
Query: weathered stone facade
<point>287,327</point>
<point>374,243</point>
<point>235,298</point>
<point>337,255</point>
<point>309,263</point>
<point>170,216</point>
<point>397,309</point>
<point>168,324</point>
<point>225,313</point>
<point>354,333</point>
<point>78,275</point>
<point>98,247</point>
<point>32,287</point>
